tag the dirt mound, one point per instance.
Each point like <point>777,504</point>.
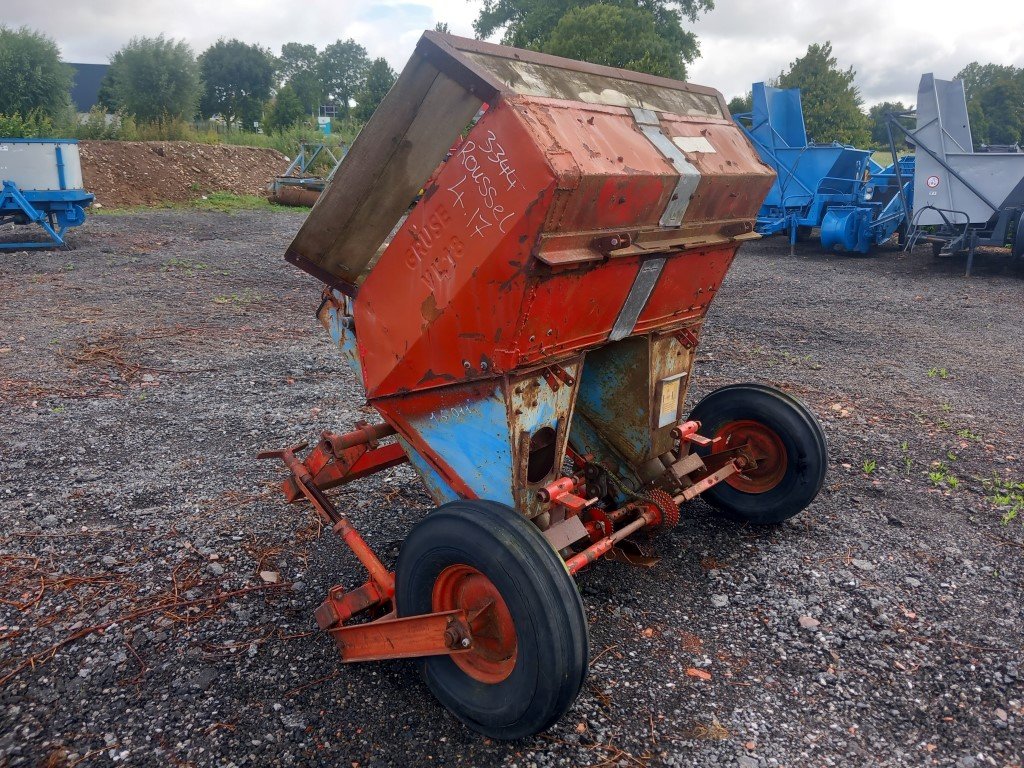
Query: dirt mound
<point>124,173</point>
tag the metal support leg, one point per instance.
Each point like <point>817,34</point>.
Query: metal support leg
<point>11,194</point>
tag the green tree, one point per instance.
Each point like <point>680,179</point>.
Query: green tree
<point>878,123</point>
<point>442,26</point>
<point>32,77</point>
<point>616,37</point>
<point>295,58</point>
<point>379,79</point>
<point>285,111</point>
<point>739,105</point>
<point>298,67</point>
<point>995,102</point>
<point>1001,105</point>
<point>343,69</point>
<point>977,76</point>
<point>237,79</point>
<point>153,78</point>
<point>831,102</point>
<point>532,23</point>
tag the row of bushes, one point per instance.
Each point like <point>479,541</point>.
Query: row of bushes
<point>99,125</point>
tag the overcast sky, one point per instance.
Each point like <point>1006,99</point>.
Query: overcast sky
<point>889,43</point>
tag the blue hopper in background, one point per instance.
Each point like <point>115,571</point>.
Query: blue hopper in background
<point>855,202</point>
<point>41,184</point>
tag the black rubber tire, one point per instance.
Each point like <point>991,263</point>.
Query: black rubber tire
<point>803,234</point>
<point>937,249</point>
<point>1017,249</point>
<point>801,436</point>
<point>551,628</point>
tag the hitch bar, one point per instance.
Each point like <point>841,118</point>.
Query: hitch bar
<point>389,637</point>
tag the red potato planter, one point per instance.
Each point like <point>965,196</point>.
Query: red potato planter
<point>526,334</point>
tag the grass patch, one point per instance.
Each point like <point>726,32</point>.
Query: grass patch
<point>1006,496</point>
<point>941,477</point>
<point>217,202</point>
<point>228,202</point>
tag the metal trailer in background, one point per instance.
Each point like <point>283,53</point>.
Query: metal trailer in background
<point>297,185</point>
<point>526,332</point>
<point>42,184</point>
<point>855,202</point>
<point>962,198</point>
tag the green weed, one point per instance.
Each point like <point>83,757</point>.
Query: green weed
<point>1007,496</point>
<point>908,462</point>
<point>245,297</point>
<point>941,476</point>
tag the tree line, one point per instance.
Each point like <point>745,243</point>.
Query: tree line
<point>154,79</point>
<point>158,79</point>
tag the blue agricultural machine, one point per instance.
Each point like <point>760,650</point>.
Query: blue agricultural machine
<point>41,184</point>
<point>855,202</point>
<point>966,199</point>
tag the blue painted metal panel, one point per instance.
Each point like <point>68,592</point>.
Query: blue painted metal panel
<point>608,373</point>
<point>345,338</point>
<point>62,181</point>
<point>39,197</point>
<point>439,490</point>
<point>473,437</point>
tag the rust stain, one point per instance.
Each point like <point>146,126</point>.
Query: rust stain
<point>429,309</point>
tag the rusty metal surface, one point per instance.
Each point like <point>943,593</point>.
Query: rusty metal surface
<point>566,219</point>
<point>446,81</point>
<point>484,629</point>
<point>464,265</point>
<point>410,637</point>
<point>339,459</point>
<point>287,194</point>
<point>542,298</point>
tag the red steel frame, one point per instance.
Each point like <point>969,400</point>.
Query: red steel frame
<point>340,459</point>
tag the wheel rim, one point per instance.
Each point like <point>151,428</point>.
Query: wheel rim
<point>493,655</point>
<point>766,447</point>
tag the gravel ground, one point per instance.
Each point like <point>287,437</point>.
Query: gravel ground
<point>140,373</point>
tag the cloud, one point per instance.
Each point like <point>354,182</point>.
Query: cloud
<point>888,44</point>
<point>91,32</point>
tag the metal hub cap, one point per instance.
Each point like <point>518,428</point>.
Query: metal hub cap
<point>764,445</point>
<point>493,654</point>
